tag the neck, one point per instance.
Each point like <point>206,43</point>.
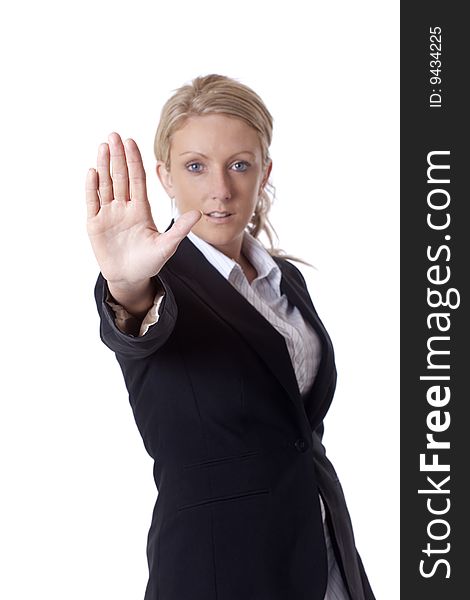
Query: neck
<point>233,250</point>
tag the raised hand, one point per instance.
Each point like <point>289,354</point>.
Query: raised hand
<point>126,242</point>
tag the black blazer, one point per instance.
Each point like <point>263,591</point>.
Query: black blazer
<point>238,455</point>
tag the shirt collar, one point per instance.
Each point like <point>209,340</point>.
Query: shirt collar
<point>252,248</point>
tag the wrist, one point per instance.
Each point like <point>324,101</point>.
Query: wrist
<point>135,298</point>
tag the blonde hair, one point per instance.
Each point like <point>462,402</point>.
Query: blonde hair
<point>220,94</point>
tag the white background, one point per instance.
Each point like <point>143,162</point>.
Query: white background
<point>77,488</point>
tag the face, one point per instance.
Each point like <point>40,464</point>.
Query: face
<point>216,167</point>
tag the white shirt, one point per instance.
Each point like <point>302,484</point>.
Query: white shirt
<point>302,341</point>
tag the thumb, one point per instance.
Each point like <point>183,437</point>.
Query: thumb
<point>185,222</point>
<point>169,241</point>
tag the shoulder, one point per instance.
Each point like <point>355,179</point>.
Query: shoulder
<point>290,270</point>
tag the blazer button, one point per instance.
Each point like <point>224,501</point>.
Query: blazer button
<point>301,445</point>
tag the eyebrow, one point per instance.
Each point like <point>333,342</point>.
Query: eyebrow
<point>204,156</point>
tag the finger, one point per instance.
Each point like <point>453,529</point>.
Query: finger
<point>105,184</point>
<point>185,222</point>
<point>91,194</point>
<point>119,172</point>
<point>180,229</point>
<point>137,179</point>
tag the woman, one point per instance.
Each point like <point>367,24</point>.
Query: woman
<point>230,372</point>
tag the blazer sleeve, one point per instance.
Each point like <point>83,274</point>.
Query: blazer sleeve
<point>128,345</point>
<point>122,316</point>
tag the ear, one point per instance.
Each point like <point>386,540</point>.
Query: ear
<point>165,178</point>
<point>266,176</point>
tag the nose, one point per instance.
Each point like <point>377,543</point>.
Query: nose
<point>220,188</point>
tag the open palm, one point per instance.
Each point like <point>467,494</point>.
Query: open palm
<point>126,242</point>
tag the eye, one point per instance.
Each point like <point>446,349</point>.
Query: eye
<point>194,167</point>
<point>241,166</point>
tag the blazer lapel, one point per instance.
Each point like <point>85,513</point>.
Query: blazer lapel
<point>191,266</point>
<point>319,398</point>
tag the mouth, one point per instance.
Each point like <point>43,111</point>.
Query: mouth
<point>216,216</point>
